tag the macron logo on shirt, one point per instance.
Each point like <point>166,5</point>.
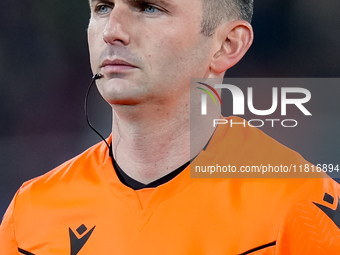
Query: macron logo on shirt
<point>334,215</point>
<point>78,243</point>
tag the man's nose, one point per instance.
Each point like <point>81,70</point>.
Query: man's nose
<point>116,29</point>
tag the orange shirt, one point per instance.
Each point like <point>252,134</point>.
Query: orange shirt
<point>82,208</point>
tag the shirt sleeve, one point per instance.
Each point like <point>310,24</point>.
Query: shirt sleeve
<point>8,244</point>
<point>312,222</point>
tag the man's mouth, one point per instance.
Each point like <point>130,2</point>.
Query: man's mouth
<point>116,66</point>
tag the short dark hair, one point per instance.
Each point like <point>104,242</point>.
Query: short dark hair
<point>216,11</point>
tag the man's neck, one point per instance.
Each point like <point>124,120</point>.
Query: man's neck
<point>148,147</point>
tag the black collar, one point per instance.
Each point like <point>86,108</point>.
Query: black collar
<point>136,185</point>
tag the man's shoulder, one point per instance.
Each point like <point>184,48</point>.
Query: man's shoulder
<point>262,163</point>
<point>312,222</point>
<point>84,166</point>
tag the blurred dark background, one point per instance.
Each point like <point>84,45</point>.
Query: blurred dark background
<point>45,71</point>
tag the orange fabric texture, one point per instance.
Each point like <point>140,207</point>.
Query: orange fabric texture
<point>82,208</point>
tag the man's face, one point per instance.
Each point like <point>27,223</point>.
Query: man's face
<point>147,50</point>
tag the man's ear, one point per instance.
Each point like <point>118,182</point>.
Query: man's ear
<point>233,41</point>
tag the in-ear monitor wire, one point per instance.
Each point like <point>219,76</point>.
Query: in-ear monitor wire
<point>94,78</point>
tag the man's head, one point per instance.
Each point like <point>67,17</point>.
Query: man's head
<point>149,50</point>
<point>217,11</point>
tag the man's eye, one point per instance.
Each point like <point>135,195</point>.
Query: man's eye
<point>149,9</point>
<point>103,9</point>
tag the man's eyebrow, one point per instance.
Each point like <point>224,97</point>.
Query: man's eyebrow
<point>162,2</point>
<point>104,1</point>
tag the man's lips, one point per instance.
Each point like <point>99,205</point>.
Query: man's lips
<point>116,66</point>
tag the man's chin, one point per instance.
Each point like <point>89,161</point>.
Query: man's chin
<point>122,99</point>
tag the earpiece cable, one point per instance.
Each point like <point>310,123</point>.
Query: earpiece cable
<point>94,78</point>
